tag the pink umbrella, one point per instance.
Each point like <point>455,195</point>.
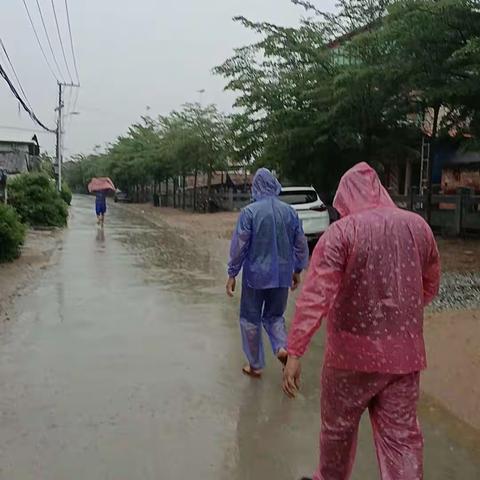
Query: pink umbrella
<point>100,184</point>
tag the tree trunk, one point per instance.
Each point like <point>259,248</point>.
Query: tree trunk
<point>436,115</point>
<point>184,191</point>
<point>209,187</point>
<point>174,192</point>
<point>195,191</point>
<point>166,192</point>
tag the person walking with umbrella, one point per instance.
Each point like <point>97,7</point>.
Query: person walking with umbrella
<point>101,187</point>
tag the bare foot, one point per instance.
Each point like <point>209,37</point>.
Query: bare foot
<point>248,370</point>
<point>282,355</point>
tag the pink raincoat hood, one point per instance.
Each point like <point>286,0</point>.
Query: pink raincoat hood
<point>360,189</point>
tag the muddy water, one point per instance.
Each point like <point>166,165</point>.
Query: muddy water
<point>123,364</point>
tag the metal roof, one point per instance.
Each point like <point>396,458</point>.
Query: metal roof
<point>22,138</point>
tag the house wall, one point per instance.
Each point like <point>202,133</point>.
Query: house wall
<point>18,157</point>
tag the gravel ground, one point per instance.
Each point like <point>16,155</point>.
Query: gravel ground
<point>458,291</point>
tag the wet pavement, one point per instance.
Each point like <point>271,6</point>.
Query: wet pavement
<point>123,363</point>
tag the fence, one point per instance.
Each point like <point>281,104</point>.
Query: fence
<point>225,201</point>
<point>451,214</point>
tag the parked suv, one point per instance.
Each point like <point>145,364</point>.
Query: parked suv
<point>311,210</point>
<point>121,197</point>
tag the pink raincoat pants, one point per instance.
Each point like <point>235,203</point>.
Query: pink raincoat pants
<point>392,403</point>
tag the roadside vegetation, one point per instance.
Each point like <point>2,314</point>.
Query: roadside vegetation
<point>33,201</point>
<point>12,234</point>
<point>37,201</point>
<point>66,194</point>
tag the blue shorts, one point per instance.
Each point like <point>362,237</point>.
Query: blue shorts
<point>100,209</point>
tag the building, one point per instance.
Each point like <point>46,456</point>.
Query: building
<point>17,156</point>
<point>462,170</point>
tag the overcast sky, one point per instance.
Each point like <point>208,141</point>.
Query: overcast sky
<point>131,54</point>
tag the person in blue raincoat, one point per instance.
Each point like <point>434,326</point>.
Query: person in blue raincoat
<point>101,206</point>
<point>270,246</point>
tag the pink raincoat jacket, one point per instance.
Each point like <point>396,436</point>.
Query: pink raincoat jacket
<point>371,275</point>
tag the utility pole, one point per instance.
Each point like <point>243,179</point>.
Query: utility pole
<point>200,96</point>
<point>60,132</point>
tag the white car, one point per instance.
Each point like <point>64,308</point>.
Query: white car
<point>312,211</point>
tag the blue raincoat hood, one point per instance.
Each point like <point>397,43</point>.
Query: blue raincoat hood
<point>265,185</point>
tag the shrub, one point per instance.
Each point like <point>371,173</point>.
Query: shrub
<point>66,194</point>
<point>12,234</point>
<point>37,201</point>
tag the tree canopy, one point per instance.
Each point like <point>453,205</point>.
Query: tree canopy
<point>188,141</point>
<point>355,85</point>
<point>364,83</point>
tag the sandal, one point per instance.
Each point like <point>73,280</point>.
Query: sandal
<point>249,371</point>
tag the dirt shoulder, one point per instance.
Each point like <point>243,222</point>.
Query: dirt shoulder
<point>460,256</point>
<point>453,348</point>
<point>452,337</point>
<point>36,255</point>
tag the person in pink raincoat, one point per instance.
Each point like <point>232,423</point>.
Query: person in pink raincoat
<point>371,275</point>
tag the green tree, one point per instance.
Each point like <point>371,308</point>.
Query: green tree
<point>433,58</point>
<point>344,87</point>
<point>38,203</point>
<point>12,234</point>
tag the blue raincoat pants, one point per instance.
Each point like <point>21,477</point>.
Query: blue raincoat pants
<point>262,308</point>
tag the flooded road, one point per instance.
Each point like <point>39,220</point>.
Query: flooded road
<point>123,363</point>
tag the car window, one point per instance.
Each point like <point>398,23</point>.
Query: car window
<point>299,197</point>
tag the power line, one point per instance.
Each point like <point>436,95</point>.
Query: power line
<point>21,129</point>
<point>38,40</point>
<point>48,39</point>
<point>72,109</point>
<point>68,102</point>
<point>71,41</point>
<point>30,112</point>
<point>61,41</point>
<point>77,92</point>
<point>15,73</point>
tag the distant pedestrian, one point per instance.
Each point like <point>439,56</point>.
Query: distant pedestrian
<point>101,206</point>
<point>371,276</point>
<point>270,246</point>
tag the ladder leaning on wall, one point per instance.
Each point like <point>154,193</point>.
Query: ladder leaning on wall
<point>425,165</point>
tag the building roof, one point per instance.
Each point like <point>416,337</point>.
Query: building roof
<point>20,138</point>
<point>463,159</point>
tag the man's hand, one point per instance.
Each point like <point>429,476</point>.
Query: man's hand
<point>231,284</point>
<point>297,279</point>
<point>291,377</point>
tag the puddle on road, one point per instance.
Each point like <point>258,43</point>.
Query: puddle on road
<point>170,261</point>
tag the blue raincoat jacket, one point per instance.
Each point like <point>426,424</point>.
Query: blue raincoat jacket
<point>268,241</point>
